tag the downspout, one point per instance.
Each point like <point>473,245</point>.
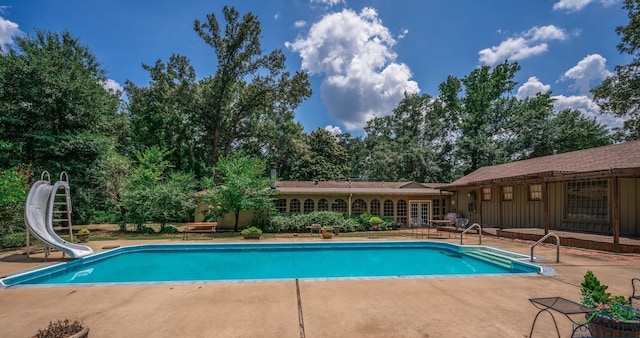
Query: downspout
<point>349,206</point>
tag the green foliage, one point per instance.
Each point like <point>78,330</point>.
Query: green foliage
<point>616,308</point>
<point>323,159</point>
<point>143,229</point>
<point>83,231</point>
<point>13,240</point>
<point>299,222</point>
<point>168,229</point>
<point>252,230</point>
<point>327,228</point>
<point>592,291</point>
<point>375,220</point>
<point>243,186</point>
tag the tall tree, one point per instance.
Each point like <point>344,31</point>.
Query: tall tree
<point>325,159</point>
<point>56,115</point>
<point>244,185</point>
<point>620,94</point>
<point>248,87</point>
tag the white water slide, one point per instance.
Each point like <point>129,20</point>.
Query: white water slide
<point>38,216</point>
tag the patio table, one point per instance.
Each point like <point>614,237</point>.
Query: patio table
<point>563,306</point>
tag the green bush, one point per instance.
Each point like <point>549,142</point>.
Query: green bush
<point>14,240</point>
<point>143,229</point>
<point>298,223</point>
<point>251,230</point>
<point>168,229</point>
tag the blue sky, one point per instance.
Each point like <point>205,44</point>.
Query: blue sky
<point>362,56</point>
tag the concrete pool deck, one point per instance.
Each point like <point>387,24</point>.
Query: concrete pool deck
<point>411,307</point>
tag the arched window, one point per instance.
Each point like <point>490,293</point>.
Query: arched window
<point>323,205</point>
<point>402,212</point>
<point>281,206</point>
<point>309,206</point>
<point>339,205</point>
<point>358,207</point>
<point>294,206</point>
<point>388,208</point>
<point>375,207</point>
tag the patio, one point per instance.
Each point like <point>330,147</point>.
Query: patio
<point>411,307</point>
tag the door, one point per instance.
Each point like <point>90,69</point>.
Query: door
<point>419,213</point>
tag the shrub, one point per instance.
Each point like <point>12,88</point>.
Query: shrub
<point>298,223</point>
<point>251,230</point>
<point>168,229</point>
<point>143,229</point>
<point>14,240</point>
<point>60,329</point>
<point>375,220</point>
<point>83,231</point>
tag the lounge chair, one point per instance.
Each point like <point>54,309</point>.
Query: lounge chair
<point>461,223</point>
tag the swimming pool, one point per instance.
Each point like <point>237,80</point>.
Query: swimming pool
<point>180,263</point>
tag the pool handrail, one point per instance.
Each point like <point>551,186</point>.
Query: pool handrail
<point>542,240</point>
<point>474,225</point>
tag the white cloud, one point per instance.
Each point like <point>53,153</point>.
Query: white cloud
<point>522,46</point>
<point>403,34</point>
<point>112,86</point>
<point>354,53</point>
<point>587,107</point>
<point>277,16</point>
<point>333,130</point>
<point>8,30</point>
<point>532,87</point>
<point>577,5</point>
<point>299,24</point>
<point>589,70</point>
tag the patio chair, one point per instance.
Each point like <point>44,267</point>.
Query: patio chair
<point>461,223</point>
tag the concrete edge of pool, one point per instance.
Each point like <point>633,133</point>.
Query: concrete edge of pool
<point>518,262</point>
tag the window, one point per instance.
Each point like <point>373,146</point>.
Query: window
<point>323,205</point>
<point>588,200</point>
<point>438,208</point>
<point>507,193</point>
<point>294,206</point>
<point>375,207</point>
<point>339,205</point>
<point>281,206</point>
<point>535,192</point>
<point>358,207</point>
<point>486,194</point>
<point>388,208</point>
<point>402,212</point>
<point>309,206</point>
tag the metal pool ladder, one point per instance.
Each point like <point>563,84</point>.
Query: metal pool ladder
<point>474,225</point>
<point>542,240</point>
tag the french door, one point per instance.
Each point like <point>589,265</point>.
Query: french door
<point>419,213</point>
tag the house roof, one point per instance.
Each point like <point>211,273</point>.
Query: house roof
<point>611,158</point>
<point>361,188</point>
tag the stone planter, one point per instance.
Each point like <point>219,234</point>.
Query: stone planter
<point>601,327</point>
<point>251,236</point>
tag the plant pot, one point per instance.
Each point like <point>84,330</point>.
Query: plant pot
<point>251,236</point>
<point>327,234</point>
<point>601,327</point>
<point>82,237</point>
<point>82,334</point>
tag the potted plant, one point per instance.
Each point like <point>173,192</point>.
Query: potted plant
<point>327,231</point>
<point>375,222</point>
<point>614,316</point>
<point>66,328</point>
<point>251,233</point>
<point>82,235</point>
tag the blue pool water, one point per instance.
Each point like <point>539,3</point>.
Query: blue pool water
<point>232,262</point>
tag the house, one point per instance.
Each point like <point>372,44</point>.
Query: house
<point>593,190</point>
<point>405,202</point>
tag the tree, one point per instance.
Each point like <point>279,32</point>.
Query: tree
<point>56,114</point>
<point>324,158</point>
<point>620,94</point>
<point>154,193</point>
<point>248,87</point>
<point>243,186</point>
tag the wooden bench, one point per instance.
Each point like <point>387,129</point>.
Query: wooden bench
<point>199,228</point>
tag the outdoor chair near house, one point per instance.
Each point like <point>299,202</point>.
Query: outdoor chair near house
<point>461,223</point>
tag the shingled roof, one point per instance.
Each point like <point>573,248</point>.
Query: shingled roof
<point>362,188</point>
<point>608,158</point>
